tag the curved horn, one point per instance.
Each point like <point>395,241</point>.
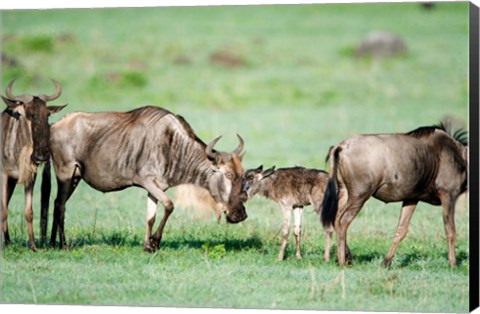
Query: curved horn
<point>239,148</point>
<point>8,91</point>
<point>58,92</point>
<point>20,98</point>
<point>209,147</point>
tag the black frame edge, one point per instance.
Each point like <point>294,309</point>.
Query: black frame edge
<point>474,156</point>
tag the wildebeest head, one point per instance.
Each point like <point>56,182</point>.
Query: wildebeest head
<point>226,182</point>
<point>36,113</point>
<point>252,178</point>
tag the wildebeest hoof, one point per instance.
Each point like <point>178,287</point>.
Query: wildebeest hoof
<point>149,249</point>
<point>32,247</point>
<point>386,262</point>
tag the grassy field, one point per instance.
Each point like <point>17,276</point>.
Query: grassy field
<point>285,79</point>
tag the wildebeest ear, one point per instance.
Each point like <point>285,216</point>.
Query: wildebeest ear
<point>260,168</point>
<point>55,109</point>
<point>268,172</point>
<point>12,104</point>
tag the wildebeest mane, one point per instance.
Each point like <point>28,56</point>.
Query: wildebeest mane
<point>423,131</point>
<point>460,135</point>
<point>157,113</point>
<point>189,129</point>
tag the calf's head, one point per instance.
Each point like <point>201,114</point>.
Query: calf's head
<point>35,111</point>
<point>226,181</point>
<point>252,180</point>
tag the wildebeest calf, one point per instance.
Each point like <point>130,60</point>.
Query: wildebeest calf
<point>292,188</point>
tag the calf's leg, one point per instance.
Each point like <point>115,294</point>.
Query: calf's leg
<point>406,214</point>
<point>297,225</point>
<point>287,212</point>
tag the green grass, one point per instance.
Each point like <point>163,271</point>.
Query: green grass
<point>296,92</point>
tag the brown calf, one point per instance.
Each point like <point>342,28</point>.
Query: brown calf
<point>292,188</point>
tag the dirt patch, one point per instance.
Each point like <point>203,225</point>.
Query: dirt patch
<point>9,62</point>
<point>182,60</point>
<point>380,44</point>
<point>226,59</point>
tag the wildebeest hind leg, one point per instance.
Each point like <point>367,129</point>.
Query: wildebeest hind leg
<point>65,190</point>
<point>8,186</point>
<point>448,206</point>
<point>406,214</point>
<point>344,217</point>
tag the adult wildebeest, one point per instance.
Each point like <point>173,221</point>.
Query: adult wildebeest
<point>428,164</point>
<point>25,136</point>
<point>292,188</point>
<point>148,147</point>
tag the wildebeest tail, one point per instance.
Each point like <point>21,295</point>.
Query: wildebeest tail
<point>46,188</point>
<point>330,199</point>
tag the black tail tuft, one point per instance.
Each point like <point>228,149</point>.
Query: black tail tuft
<point>329,204</point>
<point>45,200</point>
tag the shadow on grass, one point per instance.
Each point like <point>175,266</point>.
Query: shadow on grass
<point>410,258</point>
<point>231,244</point>
<point>128,240</point>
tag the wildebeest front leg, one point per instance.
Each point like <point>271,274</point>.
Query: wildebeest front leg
<point>29,214</point>
<point>159,194</point>
<point>287,212</point>
<point>150,220</point>
<point>448,206</point>
<point>406,214</point>
<point>7,188</point>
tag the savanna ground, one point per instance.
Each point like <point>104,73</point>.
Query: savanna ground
<point>285,79</point>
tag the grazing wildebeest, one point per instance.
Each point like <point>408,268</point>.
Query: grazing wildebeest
<point>148,147</point>
<point>292,188</point>
<point>25,136</point>
<point>428,164</point>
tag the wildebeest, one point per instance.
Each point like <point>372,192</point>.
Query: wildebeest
<point>292,188</point>
<point>25,136</point>
<point>428,164</point>
<point>148,147</point>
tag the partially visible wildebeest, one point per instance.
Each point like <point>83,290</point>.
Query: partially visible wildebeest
<point>25,136</point>
<point>148,147</point>
<point>292,188</point>
<point>198,199</point>
<point>428,164</point>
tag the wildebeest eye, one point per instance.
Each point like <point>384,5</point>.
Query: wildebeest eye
<point>229,175</point>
